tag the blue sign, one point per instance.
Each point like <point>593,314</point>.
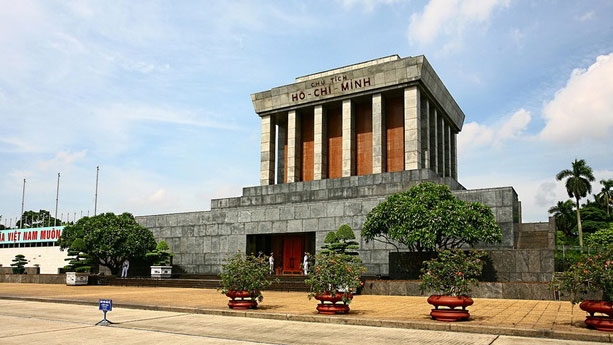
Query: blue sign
<point>105,305</point>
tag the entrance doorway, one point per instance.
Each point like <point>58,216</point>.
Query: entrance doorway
<point>288,249</point>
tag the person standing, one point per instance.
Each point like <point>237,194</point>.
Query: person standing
<point>124,268</point>
<point>271,263</point>
<point>305,263</point>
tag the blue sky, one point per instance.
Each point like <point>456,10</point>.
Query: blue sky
<point>157,93</point>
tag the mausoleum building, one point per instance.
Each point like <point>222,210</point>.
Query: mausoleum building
<point>334,144</point>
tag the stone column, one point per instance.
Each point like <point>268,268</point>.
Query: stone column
<point>267,148</point>
<point>434,141</point>
<point>320,151</point>
<point>348,139</point>
<point>379,148</point>
<point>412,129</point>
<point>454,156</point>
<point>293,147</point>
<point>425,131</point>
<point>281,146</point>
<point>448,151</point>
<point>441,146</point>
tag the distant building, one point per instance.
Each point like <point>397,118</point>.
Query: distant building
<point>38,245</point>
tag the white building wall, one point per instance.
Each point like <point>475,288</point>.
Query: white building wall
<point>49,259</point>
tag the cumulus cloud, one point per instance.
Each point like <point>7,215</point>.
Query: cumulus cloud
<point>475,135</point>
<point>450,17</point>
<point>583,109</point>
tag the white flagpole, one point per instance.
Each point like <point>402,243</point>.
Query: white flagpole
<point>96,196</point>
<point>23,195</point>
<point>57,196</point>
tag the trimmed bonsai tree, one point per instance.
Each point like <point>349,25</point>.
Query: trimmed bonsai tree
<point>341,241</point>
<point>161,255</point>
<point>78,260</point>
<point>19,263</point>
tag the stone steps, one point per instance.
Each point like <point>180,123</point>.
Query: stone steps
<point>286,283</point>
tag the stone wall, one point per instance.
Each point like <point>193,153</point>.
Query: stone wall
<point>537,235</point>
<point>201,240</point>
<point>507,290</point>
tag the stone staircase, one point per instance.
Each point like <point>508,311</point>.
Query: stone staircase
<point>286,283</point>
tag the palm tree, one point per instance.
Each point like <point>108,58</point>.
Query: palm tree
<point>578,186</point>
<point>563,213</point>
<point>607,192</point>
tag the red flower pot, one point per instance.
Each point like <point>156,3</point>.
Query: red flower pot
<point>454,307</point>
<point>333,304</point>
<point>242,299</point>
<point>599,322</point>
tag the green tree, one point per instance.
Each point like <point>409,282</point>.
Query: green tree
<point>606,193</point>
<point>161,255</point>
<point>40,219</point>
<point>601,238</point>
<point>564,215</point>
<point>578,185</point>
<point>78,260</point>
<point>428,217</point>
<point>110,239</point>
<point>19,263</point>
<point>341,241</point>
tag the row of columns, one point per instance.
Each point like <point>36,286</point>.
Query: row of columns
<point>429,141</point>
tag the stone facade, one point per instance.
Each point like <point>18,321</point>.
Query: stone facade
<point>334,144</point>
<point>201,240</point>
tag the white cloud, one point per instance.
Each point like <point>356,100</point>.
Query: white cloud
<point>583,109</point>
<point>63,159</point>
<point>368,5</point>
<point>586,16</point>
<point>475,135</point>
<point>449,18</point>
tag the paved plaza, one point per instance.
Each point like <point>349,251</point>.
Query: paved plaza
<point>497,318</point>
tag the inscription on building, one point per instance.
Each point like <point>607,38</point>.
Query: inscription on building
<point>330,86</point>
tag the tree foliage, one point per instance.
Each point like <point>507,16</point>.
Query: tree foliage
<point>341,241</point>
<point>40,219</point>
<point>78,260</point>
<point>564,215</point>
<point>578,185</point>
<point>606,194</point>
<point>19,263</point>
<point>110,239</point>
<point>601,238</point>
<point>428,217</point>
<point>161,255</point>
<point>244,272</point>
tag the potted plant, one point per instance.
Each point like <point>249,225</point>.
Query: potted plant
<point>79,264</point>
<point>335,277</point>
<point>161,261</point>
<point>19,263</point>
<point>591,275</point>
<point>243,278</point>
<point>333,280</point>
<point>451,276</point>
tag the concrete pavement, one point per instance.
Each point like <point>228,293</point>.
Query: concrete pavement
<point>498,317</point>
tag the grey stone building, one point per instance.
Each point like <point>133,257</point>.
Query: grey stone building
<point>334,144</point>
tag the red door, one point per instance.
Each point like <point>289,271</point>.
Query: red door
<point>292,254</point>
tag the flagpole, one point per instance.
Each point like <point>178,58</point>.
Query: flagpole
<point>57,196</point>
<point>96,196</point>
<point>23,195</point>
